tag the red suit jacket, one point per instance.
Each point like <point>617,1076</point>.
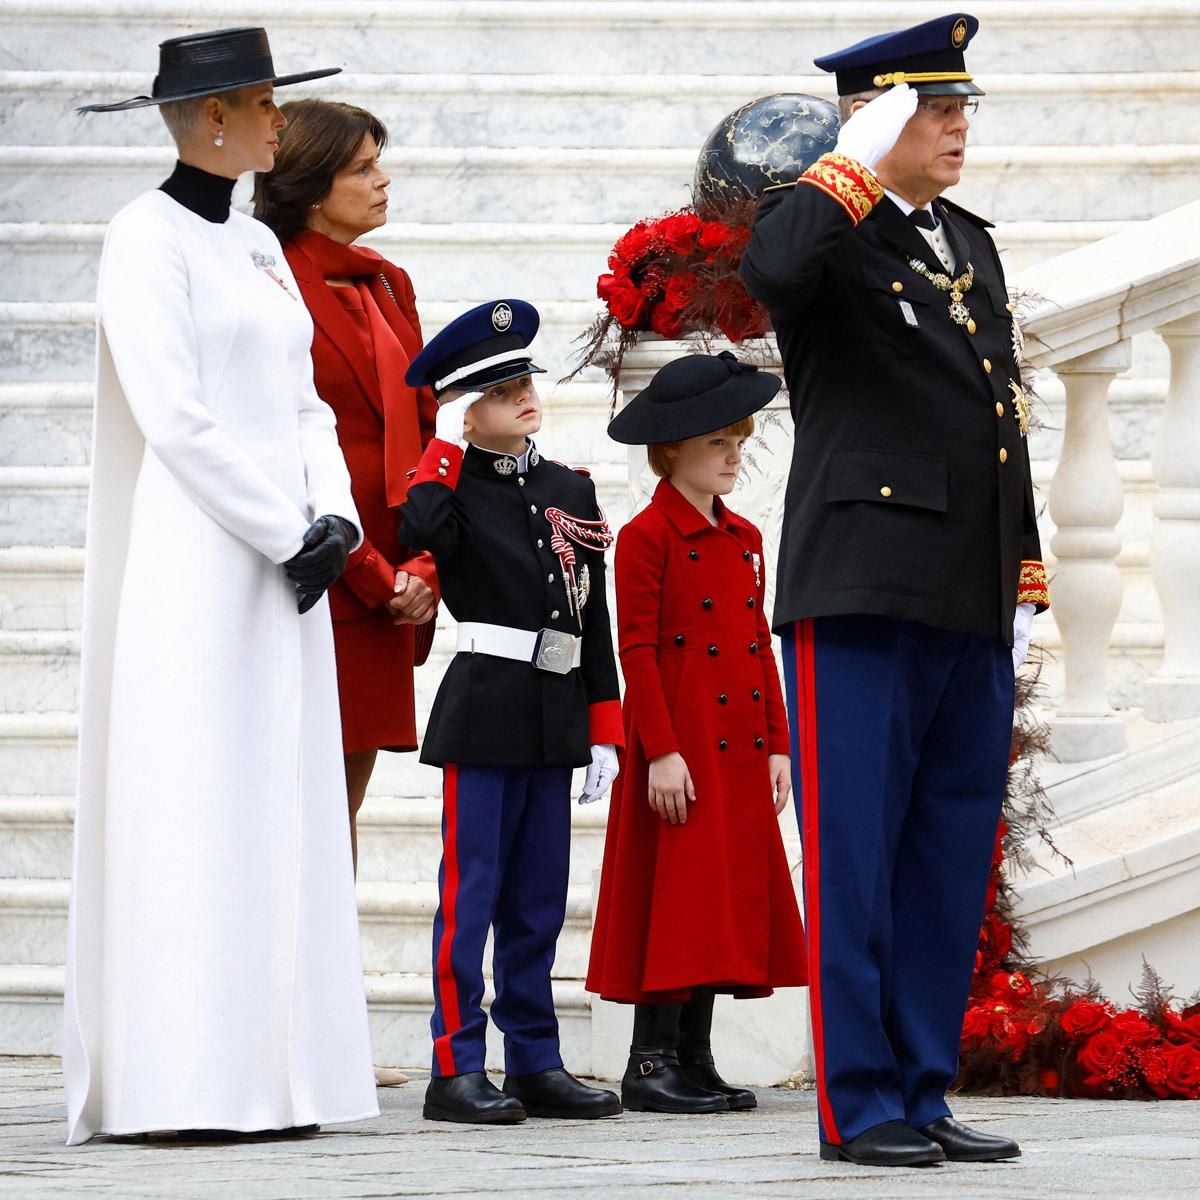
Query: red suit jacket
<point>348,379</point>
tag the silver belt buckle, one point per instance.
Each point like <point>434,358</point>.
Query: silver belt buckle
<point>554,651</point>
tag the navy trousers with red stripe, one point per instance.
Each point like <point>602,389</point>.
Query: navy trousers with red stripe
<point>900,742</point>
<point>506,848</point>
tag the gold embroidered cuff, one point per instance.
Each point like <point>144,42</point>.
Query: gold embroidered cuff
<point>1032,585</point>
<point>845,179</point>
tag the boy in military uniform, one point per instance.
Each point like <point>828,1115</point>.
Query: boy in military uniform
<point>519,542</point>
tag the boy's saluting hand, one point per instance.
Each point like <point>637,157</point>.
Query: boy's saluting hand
<point>452,417</point>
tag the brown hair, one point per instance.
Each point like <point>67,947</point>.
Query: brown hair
<point>321,138</point>
<point>656,452</point>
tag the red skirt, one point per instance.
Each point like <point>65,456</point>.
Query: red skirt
<point>375,682</point>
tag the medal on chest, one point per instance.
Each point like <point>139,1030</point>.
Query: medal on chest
<point>958,288</point>
<point>266,264</point>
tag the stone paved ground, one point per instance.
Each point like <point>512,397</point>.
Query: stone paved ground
<point>1072,1148</point>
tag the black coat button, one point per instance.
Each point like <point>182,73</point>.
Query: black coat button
<point>753,647</point>
<point>706,603</point>
<point>722,699</point>
<point>759,743</point>
<point>746,555</point>
<point>749,601</point>
<point>756,694</point>
<point>722,745</point>
<point>694,555</point>
<point>679,639</point>
<point>714,651</point>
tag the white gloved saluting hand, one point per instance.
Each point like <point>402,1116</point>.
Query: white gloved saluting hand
<point>872,131</point>
<point>600,774</point>
<point>452,416</point>
<point>1022,628</point>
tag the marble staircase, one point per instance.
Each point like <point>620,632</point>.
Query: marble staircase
<point>526,135</point>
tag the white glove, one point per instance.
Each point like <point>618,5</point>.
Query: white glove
<point>1022,627</point>
<point>451,417</point>
<point>600,774</point>
<point>876,127</point>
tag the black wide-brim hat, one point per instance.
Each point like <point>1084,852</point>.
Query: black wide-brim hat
<point>691,396</point>
<point>205,64</point>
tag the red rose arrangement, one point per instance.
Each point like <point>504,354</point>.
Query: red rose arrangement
<point>1025,1034</point>
<point>674,275</point>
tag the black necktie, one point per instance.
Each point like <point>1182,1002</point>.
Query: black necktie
<point>924,218</point>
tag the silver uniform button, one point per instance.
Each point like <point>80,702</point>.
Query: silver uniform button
<point>533,508</point>
<point>445,462</point>
<point>521,480</point>
<point>554,615</point>
<point>441,470</point>
<point>550,577</point>
<point>540,543</point>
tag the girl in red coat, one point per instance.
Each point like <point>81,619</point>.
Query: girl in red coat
<point>696,896</point>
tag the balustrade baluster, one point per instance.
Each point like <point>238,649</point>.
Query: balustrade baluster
<point>1086,500</point>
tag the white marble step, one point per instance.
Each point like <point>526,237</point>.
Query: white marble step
<point>37,754</point>
<point>40,588</point>
<point>399,1005</point>
<point>551,183</point>
<point>395,924</point>
<point>573,109</point>
<point>626,36</point>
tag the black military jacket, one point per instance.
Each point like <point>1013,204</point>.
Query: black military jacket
<point>492,543</point>
<point>909,493</point>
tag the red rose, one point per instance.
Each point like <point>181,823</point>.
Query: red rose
<point>1083,1018</point>
<point>977,1024</point>
<point>680,232</point>
<point>624,301</point>
<point>1130,1026</point>
<point>1101,1058</point>
<point>665,320</point>
<point>1184,1026</point>
<point>997,937</point>
<point>680,290</point>
<point>631,247</point>
<point>714,235</point>
<point>1183,1070</point>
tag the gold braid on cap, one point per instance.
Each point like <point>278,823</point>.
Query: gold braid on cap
<point>898,77</point>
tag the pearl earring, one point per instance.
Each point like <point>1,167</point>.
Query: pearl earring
<point>219,140</point>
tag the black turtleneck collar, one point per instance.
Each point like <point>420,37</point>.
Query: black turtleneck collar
<point>206,195</point>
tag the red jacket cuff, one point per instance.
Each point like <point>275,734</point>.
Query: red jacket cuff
<point>1032,585</point>
<point>847,181</point>
<point>441,463</point>
<point>604,724</point>
<point>370,576</point>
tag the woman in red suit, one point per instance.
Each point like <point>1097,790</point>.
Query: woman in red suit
<point>696,895</point>
<point>326,191</point>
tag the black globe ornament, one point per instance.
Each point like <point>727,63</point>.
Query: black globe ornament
<point>766,142</point>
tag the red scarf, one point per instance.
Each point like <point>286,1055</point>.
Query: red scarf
<point>401,428</point>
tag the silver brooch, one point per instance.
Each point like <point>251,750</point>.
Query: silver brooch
<point>504,466</point>
<point>534,456</point>
<point>266,264</point>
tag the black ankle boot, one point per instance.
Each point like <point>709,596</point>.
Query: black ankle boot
<point>654,1081</point>
<point>695,1051</point>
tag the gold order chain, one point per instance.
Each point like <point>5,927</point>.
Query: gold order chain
<point>960,314</point>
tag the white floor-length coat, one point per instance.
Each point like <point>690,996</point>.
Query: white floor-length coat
<point>214,976</point>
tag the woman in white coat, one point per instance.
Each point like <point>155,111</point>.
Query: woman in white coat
<point>214,977</point>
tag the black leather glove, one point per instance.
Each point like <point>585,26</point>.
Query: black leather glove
<point>327,543</point>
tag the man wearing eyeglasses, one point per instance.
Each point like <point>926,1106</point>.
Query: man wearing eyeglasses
<point>909,574</point>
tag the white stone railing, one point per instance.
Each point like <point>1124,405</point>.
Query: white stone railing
<point>1090,304</point>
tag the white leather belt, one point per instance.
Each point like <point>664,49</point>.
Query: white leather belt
<point>546,649</point>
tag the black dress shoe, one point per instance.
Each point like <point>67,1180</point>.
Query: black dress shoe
<point>470,1099</point>
<point>964,1144</point>
<point>704,1075</point>
<point>655,1082</point>
<point>555,1093</point>
<point>892,1144</point>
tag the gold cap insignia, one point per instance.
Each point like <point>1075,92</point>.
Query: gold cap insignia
<point>958,34</point>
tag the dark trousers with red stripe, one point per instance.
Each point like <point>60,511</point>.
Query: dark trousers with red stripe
<point>900,741</point>
<point>506,848</point>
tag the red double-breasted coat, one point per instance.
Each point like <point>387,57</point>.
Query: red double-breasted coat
<point>375,658</point>
<point>709,902</point>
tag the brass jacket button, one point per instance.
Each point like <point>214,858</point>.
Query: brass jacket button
<point>885,491</point>
<point>999,409</point>
<point>1003,455</point>
<point>987,365</point>
<point>897,286</point>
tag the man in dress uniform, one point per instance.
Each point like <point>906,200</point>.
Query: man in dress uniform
<point>909,574</point>
<point>532,692</point>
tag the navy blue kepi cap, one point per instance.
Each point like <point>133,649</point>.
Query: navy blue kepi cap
<point>485,346</point>
<point>928,57</point>
<point>694,395</point>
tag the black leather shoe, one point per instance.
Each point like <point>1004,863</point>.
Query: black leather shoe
<point>655,1082</point>
<point>892,1144</point>
<point>704,1075</point>
<point>964,1144</point>
<point>556,1093</point>
<point>470,1099</point>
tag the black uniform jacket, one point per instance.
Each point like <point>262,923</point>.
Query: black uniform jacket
<point>489,535</point>
<point>909,493</point>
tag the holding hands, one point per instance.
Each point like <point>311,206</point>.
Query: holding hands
<point>414,602</point>
<point>871,132</point>
<point>670,788</point>
<point>452,416</point>
<point>327,543</point>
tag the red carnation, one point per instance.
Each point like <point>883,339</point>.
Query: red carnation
<point>1084,1018</point>
<point>1183,1070</point>
<point>631,247</point>
<point>680,290</point>
<point>1101,1057</point>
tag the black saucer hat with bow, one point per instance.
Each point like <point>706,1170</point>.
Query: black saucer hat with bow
<point>204,64</point>
<point>691,396</point>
